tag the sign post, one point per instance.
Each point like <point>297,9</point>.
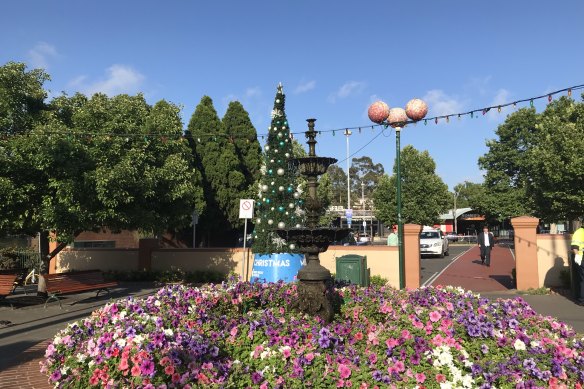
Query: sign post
<point>349,216</point>
<point>245,212</point>
<point>195,222</point>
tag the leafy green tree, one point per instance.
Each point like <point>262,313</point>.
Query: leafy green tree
<point>22,98</point>
<point>469,194</point>
<point>364,171</point>
<point>222,177</point>
<point>555,161</point>
<point>278,202</point>
<point>424,195</point>
<point>338,182</point>
<point>99,163</point>
<point>506,166</point>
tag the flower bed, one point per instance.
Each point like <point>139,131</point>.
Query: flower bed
<point>239,335</point>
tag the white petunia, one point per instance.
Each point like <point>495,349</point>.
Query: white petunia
<point>519,345</point>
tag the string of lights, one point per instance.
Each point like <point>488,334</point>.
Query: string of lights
<point>204,136</point>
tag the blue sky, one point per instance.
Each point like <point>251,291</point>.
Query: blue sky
<point>333,57</point>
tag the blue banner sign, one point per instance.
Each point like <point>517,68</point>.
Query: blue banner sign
<point>276,267</point>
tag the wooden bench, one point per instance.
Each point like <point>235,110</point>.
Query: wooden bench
<point>74,282</point>
<point>7,287</point>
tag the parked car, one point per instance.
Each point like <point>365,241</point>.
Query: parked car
<point>433,242</point>
<point>364,239</point>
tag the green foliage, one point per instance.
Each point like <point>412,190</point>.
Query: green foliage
<point>22,98</point>
<point>378,281</point>
<point>276,203</point>
<point>555,163</point>
<point>535,165</point>
<point>338,179</point>
<point>69,175</point>
<point>506,167</point>
<point>173,275</point>
<point>424,194</point>
<point>364,171</point>
<point>222,175</point>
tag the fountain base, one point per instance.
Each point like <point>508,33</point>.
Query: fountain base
<point>315,298</point>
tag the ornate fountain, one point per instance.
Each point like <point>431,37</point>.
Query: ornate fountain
<point>314,280</point>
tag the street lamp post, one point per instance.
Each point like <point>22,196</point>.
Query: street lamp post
<point>397,118</point>
<point>347,134</point>
<point>454,213</point>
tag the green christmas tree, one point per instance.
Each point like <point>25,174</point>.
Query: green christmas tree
<point>278,204</point>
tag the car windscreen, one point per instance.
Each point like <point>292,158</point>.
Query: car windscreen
<point>429,235</point>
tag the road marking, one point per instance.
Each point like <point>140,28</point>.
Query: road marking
<point>443,270</point>
<point>513,255</point>
<point>430,279</point>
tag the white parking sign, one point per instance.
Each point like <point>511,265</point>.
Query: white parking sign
<point>245,209</point>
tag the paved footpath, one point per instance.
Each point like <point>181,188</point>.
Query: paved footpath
<point>468,272</point>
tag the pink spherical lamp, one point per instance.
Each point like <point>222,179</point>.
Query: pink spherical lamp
<point>378,112</point>
<point>416,109</point>
<point>397,117</point>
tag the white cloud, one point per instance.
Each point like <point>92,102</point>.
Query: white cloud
<point>305,87</point>
<point>41,54</point>
<point>253,92</point>
<point>119,79</point>
<point>346,90</point>
<point>439,103</point>
<point>480,85</point>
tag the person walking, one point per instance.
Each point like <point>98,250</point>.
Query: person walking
<point>486,241</point>
<point>392,239</point>
<point>577,247</point>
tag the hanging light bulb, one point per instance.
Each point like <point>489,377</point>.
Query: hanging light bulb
<point>550,98</point>
<point>570,92</point>
<point>447,119</point>
<point>531,103</point>
<point>499,109</point>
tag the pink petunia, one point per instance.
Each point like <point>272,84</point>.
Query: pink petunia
<point>420,378</point>
<point>135,371</point>
<point>435,316</point>
<point>440,378</point>
<point>123,364</point>
<point>344,370</point>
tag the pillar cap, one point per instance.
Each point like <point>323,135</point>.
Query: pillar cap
<point>413,229</point>
<point>525,221</point>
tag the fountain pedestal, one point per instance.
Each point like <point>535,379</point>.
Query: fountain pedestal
<point>315,287</point>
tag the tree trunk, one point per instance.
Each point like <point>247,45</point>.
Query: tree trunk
<point>44,263</point>
<point>46,257</point>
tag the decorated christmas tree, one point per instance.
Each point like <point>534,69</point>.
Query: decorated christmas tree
<point>279,201</point>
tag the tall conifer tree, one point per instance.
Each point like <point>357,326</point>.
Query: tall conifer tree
<point>208,141</point>
<point>240,130</point>
<point>278,201</point>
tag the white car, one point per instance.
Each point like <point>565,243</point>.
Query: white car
<point>433,242</point>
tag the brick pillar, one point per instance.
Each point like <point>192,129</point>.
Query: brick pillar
<point>412,255</point>
<point>145,252</point>
<point>526,273</point>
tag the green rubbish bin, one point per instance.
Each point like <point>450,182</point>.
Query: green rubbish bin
<point>353,268</point>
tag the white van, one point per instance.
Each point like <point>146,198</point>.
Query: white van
<point>433,242</point>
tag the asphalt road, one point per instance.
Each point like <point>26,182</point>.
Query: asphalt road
<point>433,266</point>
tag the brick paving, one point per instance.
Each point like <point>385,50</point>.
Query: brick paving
<point>24,372</point>
<point>468,273</point>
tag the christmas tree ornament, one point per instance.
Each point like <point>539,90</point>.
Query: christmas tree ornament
<point>267,147</point>
<point>289,189</point>
<point>298,226</point>
<point>397,117</point>
<point>378,112</point>
<point>270,222</point>
<point>281,188</point>
<point>281,143</point>
<point>292,246</point>
<point>290,205</point>
<point>281,225</point>
<point>270,172</point>
<point>264,188</point>
<point>416,109</point>
<point>258,220</point>
<point>296,195</point>
<point>280,135</point>
<point>281,209</point>
<point>287,155</point>
<point>280,172</point>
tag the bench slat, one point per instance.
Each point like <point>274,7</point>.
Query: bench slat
<point>76,282</point>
